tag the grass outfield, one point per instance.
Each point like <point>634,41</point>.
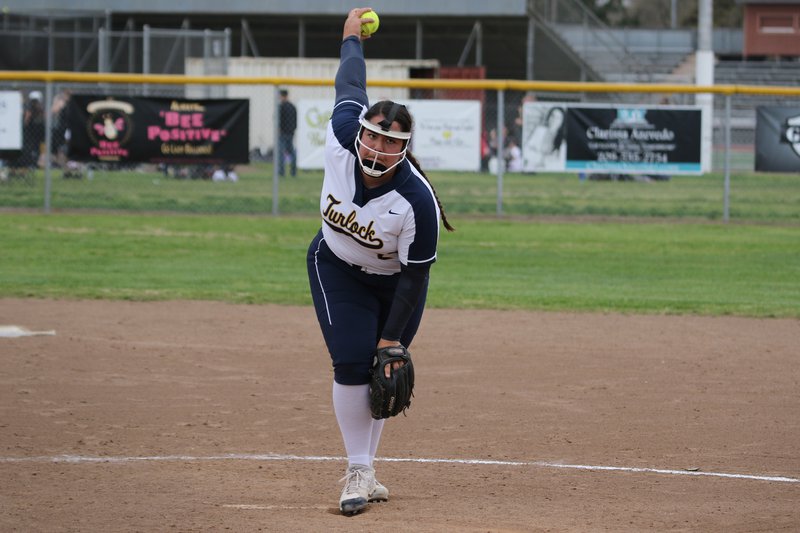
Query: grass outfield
<point>763,198</point>
<point>656,267</point>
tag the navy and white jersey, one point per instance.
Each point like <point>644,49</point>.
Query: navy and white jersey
<point>377,229</point>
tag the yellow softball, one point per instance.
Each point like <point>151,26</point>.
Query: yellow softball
<point>368,28</point>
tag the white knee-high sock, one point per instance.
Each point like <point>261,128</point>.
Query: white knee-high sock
<point>351,405</point>
<point>377,427</point>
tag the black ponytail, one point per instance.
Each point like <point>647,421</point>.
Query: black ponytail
<point>415,164</point>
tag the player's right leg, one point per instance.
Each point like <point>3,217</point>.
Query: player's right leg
<point>348,315</point>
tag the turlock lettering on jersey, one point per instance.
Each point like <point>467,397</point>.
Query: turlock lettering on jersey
<point>347,224</point>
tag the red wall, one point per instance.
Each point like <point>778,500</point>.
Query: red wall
<point>772,29</point>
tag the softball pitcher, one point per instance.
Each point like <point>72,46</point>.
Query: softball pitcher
<point>368,266</point>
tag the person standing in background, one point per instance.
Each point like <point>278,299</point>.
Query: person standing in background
<point>58,142</point>
<point>33,130</point>
<point>288,124</point>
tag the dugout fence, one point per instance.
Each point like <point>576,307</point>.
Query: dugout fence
<point>42,176</point>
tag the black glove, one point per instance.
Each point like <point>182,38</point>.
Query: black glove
<point>391,396</point>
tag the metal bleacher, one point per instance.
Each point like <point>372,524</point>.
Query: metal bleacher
<point>761,72</point>
<point>765,72</point>
<point>647,62</point>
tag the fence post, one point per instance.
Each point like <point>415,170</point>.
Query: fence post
<point>48,143</point>
<point>146,51</point>
<point>102,50</point>
<point>276,152</point>
<point>727,160</point>
<point>500,142</point>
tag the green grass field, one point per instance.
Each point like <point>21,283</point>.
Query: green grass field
<point>761,198</point>
<point>631,267</point>
<point>561,244</point>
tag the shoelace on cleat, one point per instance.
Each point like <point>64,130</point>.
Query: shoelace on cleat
<point>355,479</point>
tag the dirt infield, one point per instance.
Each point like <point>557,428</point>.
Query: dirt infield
<point>199,416</point>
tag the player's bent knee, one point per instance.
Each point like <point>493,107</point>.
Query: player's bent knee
<point>351,374</point>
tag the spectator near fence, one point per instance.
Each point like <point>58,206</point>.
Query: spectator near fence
<point>59,137</point>
<point>288,124</point>
<point>33,131</point>
<point>513,155</point>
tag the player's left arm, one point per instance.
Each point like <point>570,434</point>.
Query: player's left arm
<point>410,288</point>
<point>417,245</point>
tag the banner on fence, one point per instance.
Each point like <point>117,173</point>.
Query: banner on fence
<point>124,129</point>
<point>446,133</point>
<point>777,139</point>
<point>544,146</point>
<point>10,120</point>
<point>312,120</point>
<point>561,137</point>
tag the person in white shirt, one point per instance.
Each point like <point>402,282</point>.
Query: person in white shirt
<point>513,156</point>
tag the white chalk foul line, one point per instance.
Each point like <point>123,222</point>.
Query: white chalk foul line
<point>75,459</point>
<point>256,507</point>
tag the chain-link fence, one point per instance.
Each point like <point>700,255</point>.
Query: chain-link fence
<point>27,156</point>
<point>283,175</point>
<point>84,43</point>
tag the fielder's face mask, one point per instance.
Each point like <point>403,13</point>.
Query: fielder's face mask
<point>370,164</point>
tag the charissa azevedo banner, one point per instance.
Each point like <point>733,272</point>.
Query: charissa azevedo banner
<point>644,139</point>
<point>121,129</point>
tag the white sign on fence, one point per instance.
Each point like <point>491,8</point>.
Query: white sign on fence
<point>312,120</point>
<point>10,120</point>
<point>447,133</point>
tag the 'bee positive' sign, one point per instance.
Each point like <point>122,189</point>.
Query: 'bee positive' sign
<point>158,130</point>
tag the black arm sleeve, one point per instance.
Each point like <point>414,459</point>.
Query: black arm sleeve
<point>412,284</point>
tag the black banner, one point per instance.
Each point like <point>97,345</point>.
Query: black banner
<point>633,139</point>
<point>158,130</point>
<point>778,139</point>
